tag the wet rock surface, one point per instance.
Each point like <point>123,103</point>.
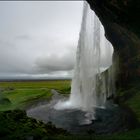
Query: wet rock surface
<point>120,19</point>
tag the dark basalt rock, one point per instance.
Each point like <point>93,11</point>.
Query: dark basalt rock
<point>121,21</point>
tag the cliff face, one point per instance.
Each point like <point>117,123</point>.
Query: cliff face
<point>121,20</point>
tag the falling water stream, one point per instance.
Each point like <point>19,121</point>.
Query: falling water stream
<point>92,82</point>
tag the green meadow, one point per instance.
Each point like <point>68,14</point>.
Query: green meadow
<point>20,95</point>
<point>51,84</point>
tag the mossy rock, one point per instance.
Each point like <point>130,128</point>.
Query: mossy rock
<point>15,125</point>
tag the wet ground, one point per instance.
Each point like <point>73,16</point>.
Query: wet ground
<point>110,120</point>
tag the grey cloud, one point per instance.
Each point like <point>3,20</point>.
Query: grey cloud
<point>12,60</point>
<point>55,63</point>
<point>35,37</point>
<point>23,37</point>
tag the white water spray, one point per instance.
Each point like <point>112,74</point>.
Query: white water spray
<point>90,87</point>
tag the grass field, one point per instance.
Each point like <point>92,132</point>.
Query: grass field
<point>24,93</point>
<point>51,84</point>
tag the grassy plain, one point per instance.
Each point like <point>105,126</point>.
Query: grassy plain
<point>24,93</point>
<point>51,84</point>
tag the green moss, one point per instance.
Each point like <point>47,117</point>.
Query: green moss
<point>131,98</point>
<point>15,125</point>
<point>134,104</point>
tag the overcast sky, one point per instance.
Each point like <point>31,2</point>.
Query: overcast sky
<point>39,39</point>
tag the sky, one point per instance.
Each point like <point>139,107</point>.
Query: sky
<point>39,39</point>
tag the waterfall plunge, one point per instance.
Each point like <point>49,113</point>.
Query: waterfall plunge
<point>91,85</point>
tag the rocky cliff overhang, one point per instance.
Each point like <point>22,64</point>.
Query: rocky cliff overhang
<point>121,20</point>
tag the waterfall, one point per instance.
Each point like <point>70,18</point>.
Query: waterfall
<point>92,82</point>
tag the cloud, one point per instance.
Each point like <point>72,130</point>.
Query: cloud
<point>55,62</point>
<point>23,37</point>
<point>38,38</point>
